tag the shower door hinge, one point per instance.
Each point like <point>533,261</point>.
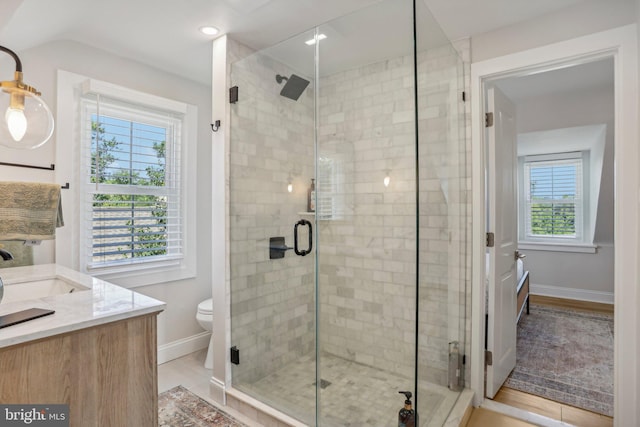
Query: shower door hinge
<point>488,358</point>
<point>491,240</point>
<point>235,355</point>
<point>464,96</point>
<point>488,120</point>
<point>464,359</point>
<point>233,95</point>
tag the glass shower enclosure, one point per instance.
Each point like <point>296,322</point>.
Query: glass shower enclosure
<point>349,220</point>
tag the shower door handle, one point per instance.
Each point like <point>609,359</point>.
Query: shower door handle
<point>302,252</point>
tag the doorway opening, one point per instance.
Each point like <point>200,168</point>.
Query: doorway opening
<point>621,45</point>
<point>550,199</point>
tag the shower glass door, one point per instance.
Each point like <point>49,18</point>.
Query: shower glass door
<point>338,308</point>
<point>272,163</point>
<point>367,216</point>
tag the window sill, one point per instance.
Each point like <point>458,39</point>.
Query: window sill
<point>558,247</point>
<point>133,276</point>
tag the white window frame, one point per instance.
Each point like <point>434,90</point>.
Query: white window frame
<point>70,249</point>
<point>578,242</point>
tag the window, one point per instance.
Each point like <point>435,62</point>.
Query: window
<point>328,192</point>
<point>553,197</point>
<point>131,203</point>
<point>132,196</point>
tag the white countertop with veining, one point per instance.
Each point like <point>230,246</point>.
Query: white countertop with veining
<point>102,303</point>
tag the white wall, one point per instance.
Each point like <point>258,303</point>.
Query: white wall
<point>582,19</point>
<point>582,271</point>
<point>40,66</point>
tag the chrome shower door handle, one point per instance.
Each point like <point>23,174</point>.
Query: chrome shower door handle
<point>307,251</point>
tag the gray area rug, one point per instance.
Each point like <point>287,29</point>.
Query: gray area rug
<point>179,407</point>
<point>567,356</point>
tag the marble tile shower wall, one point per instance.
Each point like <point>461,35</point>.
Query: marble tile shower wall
<point>272,301</point>
<point>367,252</point>
<point>367,256</point>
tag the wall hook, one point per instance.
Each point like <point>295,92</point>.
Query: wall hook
<point>215,126</point>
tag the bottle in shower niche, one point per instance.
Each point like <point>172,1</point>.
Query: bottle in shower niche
<point>406,416</point>
<point>311,197</point>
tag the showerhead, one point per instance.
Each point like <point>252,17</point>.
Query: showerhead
<point>294,86</point>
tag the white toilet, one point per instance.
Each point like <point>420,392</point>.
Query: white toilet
<point>204,316</point>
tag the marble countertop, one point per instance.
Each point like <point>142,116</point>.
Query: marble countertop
<point>101,303</point>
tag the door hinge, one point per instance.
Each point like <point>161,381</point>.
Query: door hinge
<point>233,94</point>
<point>491,240</point>
<point>464,359</point>
<point>235,355</point>
<point>464,96</point>
<point>488,120</point>
<point>488,358</point>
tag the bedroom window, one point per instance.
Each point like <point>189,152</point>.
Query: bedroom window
<point>553,198</point>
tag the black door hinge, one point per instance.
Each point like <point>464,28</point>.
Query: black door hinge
<point>464,96</point>
<point>235,355</point>
<point>488,358</point>
<point>488,120</point>
<point>491,240</point>
<point>233,94</point>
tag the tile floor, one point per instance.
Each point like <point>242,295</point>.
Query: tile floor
<point>353,394</point>
<point>357,395</point>
<point>189,371</point>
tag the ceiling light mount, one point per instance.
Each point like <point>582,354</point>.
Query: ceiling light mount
<point>28,122</point>
<point>209,30</point>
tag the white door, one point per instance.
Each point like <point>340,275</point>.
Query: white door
<point>502,164</point>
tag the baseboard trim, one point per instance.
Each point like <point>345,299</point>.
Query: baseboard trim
<point>571,293</point>
<point>217,391</point>
<point>182,347</point>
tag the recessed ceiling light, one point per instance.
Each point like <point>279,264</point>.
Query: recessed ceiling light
<point>316,38</point>
<point>210,31</point>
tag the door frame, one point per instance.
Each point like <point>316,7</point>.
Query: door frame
<point>620,44</point>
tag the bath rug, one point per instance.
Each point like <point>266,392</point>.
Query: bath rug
<point>567,356</point>
<point>179,407</point>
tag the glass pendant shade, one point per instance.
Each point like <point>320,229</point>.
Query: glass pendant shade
<point>26,121</point>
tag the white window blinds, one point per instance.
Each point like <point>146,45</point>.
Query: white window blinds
<point>554,198</point>
<point>131,200</point>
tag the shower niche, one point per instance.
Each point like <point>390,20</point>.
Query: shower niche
<point>378,122</point>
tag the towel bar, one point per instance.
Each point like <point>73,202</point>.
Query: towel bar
<point>48,168</point>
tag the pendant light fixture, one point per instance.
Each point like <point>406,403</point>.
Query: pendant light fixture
<point>26,121</point>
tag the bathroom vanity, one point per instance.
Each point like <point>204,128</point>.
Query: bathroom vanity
<point>97,352</point>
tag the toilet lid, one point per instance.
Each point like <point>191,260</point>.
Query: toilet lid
<point>206,306</point>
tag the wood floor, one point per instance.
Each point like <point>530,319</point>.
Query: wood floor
<point>481,417</point>
<point>572,303</point>
<point>549,408</point>
<point>539,405</point>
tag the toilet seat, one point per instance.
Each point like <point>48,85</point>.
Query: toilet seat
<point>206,307</point>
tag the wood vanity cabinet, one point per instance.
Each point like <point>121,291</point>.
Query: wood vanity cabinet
<point>107,374</point>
